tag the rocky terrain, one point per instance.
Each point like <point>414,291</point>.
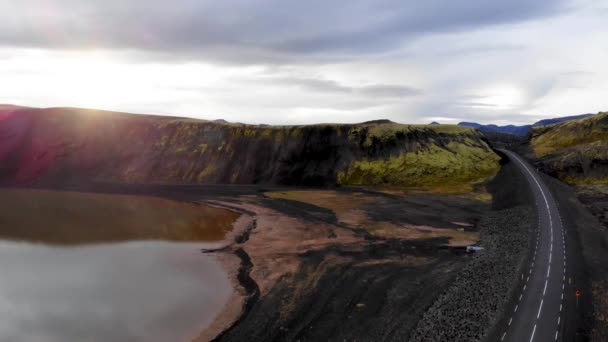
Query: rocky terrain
<point>576,152</point>
<point>471,308</point>
<point>356,271</point>
<point>67,145</point>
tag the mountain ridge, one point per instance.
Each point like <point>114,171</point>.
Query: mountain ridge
<point>522,130</point>
<point>70,144</point>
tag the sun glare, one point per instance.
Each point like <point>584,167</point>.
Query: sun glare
<point>88,77</point>
<point>503,97</point>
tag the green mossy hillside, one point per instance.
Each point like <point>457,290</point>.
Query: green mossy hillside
<point>546,140</point>
<point>455,164</point>
<point>576,151</point>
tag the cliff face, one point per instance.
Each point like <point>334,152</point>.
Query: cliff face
<point>66,144</point>
<point>575,151</point>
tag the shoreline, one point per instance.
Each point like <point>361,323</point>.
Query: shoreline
<point>237,264</point>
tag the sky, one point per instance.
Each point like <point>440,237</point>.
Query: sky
<point>300,62</point>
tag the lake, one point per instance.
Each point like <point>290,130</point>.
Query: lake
<point>124,281</point>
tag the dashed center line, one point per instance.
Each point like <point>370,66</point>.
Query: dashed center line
<point>550,256</point>
<point>533,331</point>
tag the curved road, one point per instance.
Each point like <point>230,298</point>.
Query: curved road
<point>538,314</point>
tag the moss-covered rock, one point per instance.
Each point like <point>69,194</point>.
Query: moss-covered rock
<point>575,152</point>
<point>546,140</point>
<point>455,164</point>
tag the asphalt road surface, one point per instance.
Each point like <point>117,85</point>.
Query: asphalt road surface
<point>539,311</point>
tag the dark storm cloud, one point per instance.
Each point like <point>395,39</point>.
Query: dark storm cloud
<point>250,31</point>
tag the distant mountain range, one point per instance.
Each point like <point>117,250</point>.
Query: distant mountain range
<point>521,130</point>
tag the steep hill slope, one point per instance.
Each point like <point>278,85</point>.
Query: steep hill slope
<point>66,145</point>
<point>553,121</point>
<point>574,151</point>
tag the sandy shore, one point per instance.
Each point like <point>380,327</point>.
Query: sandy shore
<point>278,236</point>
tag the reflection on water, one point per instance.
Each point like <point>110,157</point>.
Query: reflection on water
<point>130,291</point>
<point>93,267</point>
<point>70,218</point>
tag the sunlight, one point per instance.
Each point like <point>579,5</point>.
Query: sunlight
<point>76,78</point>
<point>88,77</point>
<point>504,97</point>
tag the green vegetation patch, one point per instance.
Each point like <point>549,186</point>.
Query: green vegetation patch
<point>549,139</point>
<point>458,164</point>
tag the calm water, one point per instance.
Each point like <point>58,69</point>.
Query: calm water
<point>130,291</point>
<point>90,267</point>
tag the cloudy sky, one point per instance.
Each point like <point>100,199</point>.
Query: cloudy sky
<point>294,62</point>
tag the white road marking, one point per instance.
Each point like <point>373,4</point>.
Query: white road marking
<point>503,336</point>
<point>533,331</point>
<point>548,213</point>
<point>542,192</point>
<point>510,320</point>
<point>559,319</point>
<point>516,306</point>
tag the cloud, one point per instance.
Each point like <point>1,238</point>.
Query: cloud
<point>319,85</point>
<point>293,61</point>
<point>476,104</point>
<point>246,31</point>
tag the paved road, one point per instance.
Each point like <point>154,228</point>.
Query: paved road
<point>538,313</point>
